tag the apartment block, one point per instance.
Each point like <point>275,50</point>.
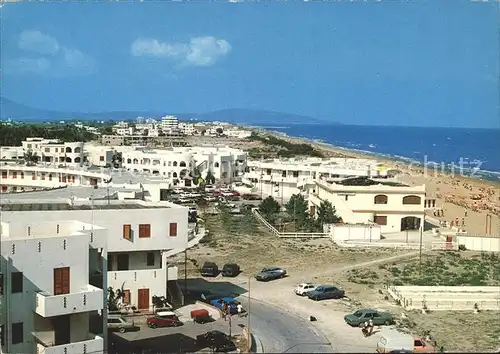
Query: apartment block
<point>49,303</point>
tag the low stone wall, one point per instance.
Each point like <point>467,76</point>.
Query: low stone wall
<point>447,298</point>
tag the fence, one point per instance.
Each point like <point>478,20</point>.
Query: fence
<point>275,232</point>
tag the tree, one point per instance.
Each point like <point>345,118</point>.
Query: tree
<point>297,208</point>
<point>202,204</point>
<point>30,157</point>
<point>327,214</point>
<point>269,208</point>
<point>219,130</point>
<point>114,297</point>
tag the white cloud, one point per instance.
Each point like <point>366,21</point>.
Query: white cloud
<point>36,41</point>
<point>199,51</point>
<point>27,66</point>
<point>52,57</point>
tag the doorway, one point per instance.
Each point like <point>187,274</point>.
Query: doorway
<point>122,262</point>
<point>62,282</point>
<point>410,223</point>
<point>62,330</point>
<point>143,299</point>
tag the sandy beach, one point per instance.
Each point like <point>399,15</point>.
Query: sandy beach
<point>473,202</point>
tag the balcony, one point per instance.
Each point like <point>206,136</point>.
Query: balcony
<point>117,278</point>
<point>94,346</point>
<point>87,299</point>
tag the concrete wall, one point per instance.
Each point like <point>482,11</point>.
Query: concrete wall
<point>475,243</point>
<point>354,232</point>
<point>450,298</point>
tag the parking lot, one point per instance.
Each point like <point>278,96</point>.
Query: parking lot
<point>175,339</point>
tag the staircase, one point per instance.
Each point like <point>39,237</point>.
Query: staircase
<point>175,297</point>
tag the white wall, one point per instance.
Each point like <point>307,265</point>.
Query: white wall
<point>354,232</point>
<point>476,243</point>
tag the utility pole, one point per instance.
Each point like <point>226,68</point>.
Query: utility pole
<point>249,301</point>
<point>185,274</point>
<point>420,253</point>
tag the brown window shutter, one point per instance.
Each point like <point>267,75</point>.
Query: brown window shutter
<point>144,230</point>
<point>127,232</point>
<point>173,229</point>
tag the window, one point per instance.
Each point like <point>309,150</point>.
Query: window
<point>173,229</point>
<point>47,149</point>
<point>283,174</point>
<point>127,232</point>
<point>17,282</point>
<point>101,158</point>
<point>4,174</point>
<point>411,199</point>
<point>380,199</point>
<point>144,230</point>
<point>381,220</point>
<point>14,174</point>
<point>150,259</point>
<point>17,333</point>
<point>295,174</point>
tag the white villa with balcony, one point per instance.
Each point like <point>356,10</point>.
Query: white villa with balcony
<point>48,304</point>
<point>176,164</point>
<point>140,234</point>
<point>281,178</point>
<point>394,207</point>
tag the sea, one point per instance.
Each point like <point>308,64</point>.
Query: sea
<point>463,151</point>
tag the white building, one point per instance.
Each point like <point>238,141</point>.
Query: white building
<point>187,128</point>
<point>238,133</point>
<point>139,235</point>
<point>281,178</point>
<point>176,164</point>
<point>394,207</point>
<point>169,123</point>
<point>24,178</point>
<point>99,155</point>
<point>54,152</point>
<point>48,304</point>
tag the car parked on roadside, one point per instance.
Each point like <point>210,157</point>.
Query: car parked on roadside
<point>324,292</point>
<point>209,269</point>
<point>303,288</point>
<point>363,315</point>
<point>164,319</point>
<point>118,323</point>
<point>274,269</point>
<point>215,340</point>
<point>230,270</point>
<point>232,304</point>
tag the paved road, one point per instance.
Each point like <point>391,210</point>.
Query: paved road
<point>278,331</point>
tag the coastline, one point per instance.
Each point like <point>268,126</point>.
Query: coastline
<point>454,193</point>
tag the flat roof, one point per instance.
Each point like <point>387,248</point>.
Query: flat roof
<point>66,206</point>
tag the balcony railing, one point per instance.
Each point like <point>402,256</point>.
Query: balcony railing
<point>87,299</point>
<point>90,346</point>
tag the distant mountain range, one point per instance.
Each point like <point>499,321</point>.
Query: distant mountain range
<point>20,112</point>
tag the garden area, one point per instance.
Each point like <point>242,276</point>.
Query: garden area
<point>295,216</point>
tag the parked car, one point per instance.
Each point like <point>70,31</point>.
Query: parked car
<point>303,288</point>
<point>209,269</point>
<point>164,319</point>
<point>216,340</point>
<point>399,342</point>
<point>324,292</point>
<point>363,315</point>
<point>231,303</point>
<point>274,269</point>
<point>230,270</point>
<point>251,197</point>
<point>270,275</point>
<point>118,323</point>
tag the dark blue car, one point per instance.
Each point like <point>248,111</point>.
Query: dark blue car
<point>232,304</point>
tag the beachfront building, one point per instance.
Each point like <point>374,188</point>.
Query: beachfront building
<point>281,178</point>
<point>393,206</point>
<point>180,165</point>
<point>139,235</point>
<point>99,155</point>
<point>52,151</point>
<point>49,303</point>
<point>25,178</point>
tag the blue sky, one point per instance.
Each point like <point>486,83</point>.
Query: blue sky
<point>427,63</point>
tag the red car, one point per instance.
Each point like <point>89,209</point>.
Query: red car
<point>164,319</point>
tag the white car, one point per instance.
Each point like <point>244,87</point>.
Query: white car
<point>304,288</point>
